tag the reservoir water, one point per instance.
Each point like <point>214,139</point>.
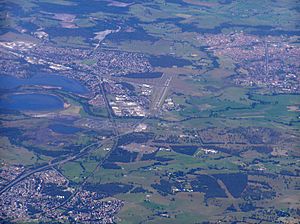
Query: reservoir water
<point>31,102</point>
<point>67,84</point>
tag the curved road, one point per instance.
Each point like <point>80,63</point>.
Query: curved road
<point>23,176</point>
<point>85,149</point>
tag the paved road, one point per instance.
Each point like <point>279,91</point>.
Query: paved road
<point>50,165</point>
<point>85,150</point>
<point>82,152</point>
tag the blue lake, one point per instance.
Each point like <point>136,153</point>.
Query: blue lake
<point>67,84</point>
<point>31,102</point>
<point>64,129</point>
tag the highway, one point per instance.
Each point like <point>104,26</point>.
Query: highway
<point>82,152</point>
<point>50,165</point>
<point>86,150</point>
